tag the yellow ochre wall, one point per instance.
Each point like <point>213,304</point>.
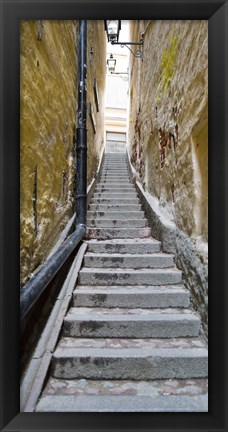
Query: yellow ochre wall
<point>168,128</point>
<point>168,138</point>
<point>48,121</point>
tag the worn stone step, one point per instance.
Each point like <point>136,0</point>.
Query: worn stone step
<point>116,189</point>
<point>97,276</point>
<point>101,395</point>
<point>114,201</point>
<point>130,363</point>
<point>115,173</point>
<point>130,323</point>
<point>114,207</point>
<point>122,160</point>
<point>136,245</point>
<point>115,168</point>
<point>115,180</point>
<point>117,222</point>
<point>115,214</point>
<point>98,403</point>
<point>131,297</point>
<point>111,178</point>
<point>133,343</point>
<point>110,233</point>
<point>114,195</point>
<point>117,177</point>
<point>115,186</point>
<point>130,261</point>
<point>115,161</point>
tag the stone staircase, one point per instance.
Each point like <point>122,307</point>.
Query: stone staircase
<point>130,342</point>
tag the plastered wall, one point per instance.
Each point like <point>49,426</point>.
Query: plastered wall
<point>48,121</point>
<point>168,135</point>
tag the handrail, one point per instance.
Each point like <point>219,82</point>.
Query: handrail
<point>37,284</point>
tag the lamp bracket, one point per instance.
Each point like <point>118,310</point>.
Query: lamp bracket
<point>138,53</point>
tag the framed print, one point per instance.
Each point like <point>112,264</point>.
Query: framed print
<point>20,188</point>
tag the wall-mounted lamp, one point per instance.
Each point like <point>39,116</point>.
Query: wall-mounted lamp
<point>112,28</point>
<point>111,62</point>
<point>111,69</point>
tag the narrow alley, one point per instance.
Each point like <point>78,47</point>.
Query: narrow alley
<point>114,209</point>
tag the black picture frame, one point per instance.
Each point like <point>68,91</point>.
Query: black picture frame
<point>216,12</point>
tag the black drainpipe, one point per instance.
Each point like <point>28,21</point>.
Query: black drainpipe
<point>81,187</point>
<point>37,284</point>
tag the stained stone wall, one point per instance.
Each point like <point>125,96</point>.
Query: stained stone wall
<point>168,136</point>
<point>48,121</point>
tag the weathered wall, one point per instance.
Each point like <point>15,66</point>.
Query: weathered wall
<point>48,128</point>
<point>168,133</point>
<point>97,70</point>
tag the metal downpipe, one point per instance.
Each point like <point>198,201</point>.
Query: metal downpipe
<point>81,178</point>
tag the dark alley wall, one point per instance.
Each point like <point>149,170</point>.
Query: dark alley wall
<point>48,121</point>
<point>168,136</point>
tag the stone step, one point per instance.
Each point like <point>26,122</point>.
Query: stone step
<point>89,403</point>
<point>122,160</point>
<point>115,214</point>
<point>115,186</point>
<point>116,175</point>
<point>130,363</point>
<point>132,343</point>
<point>116,172</point>
<point>115,180</point>
<point>147,245</point>
<point>114,207</point>
<point>114,201</point>
<point>129,261</point>
<point>124,395</point>
<point>109,223</point>
<point>136,245</point>
<point>110,233</point>
<point>116,189</point>
<point>97,276</point>
<point>116,168</point>
<point>123,172</point>
<point>131,296</point>
<point>130,323</point>
<point>114,195</point>
<point>113,161</point>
